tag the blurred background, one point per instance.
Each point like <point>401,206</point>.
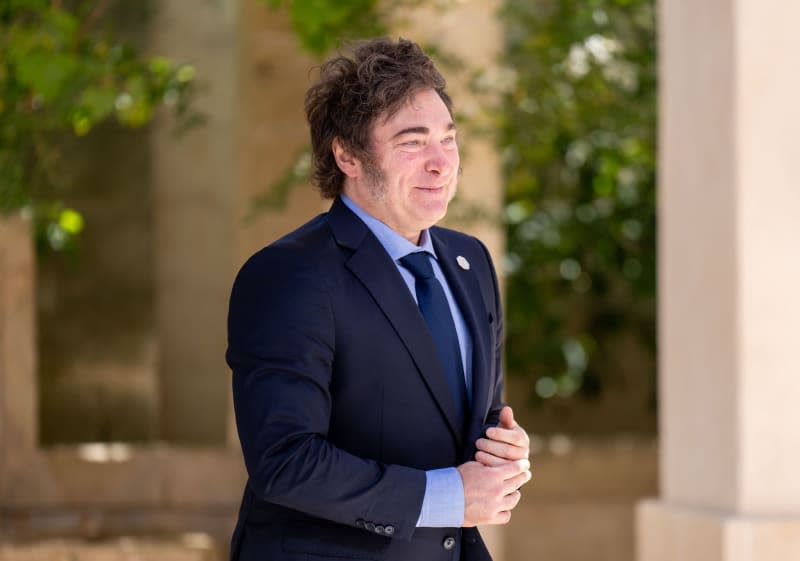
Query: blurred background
<point>148,147</point>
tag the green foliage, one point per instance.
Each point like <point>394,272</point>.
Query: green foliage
<point>277,194</point>
<point>59,77</point>
<point>578,144</point>
<point>322,25</point>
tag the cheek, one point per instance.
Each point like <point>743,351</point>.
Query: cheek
<point>456,159</point>
<point>401,167</point>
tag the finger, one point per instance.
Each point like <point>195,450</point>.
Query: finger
<point>512,469</point>
<point>489,459</point>
<point>501,449</point>
<point>501,517</point>
<point>511,501</point>
<point>506,417</point>
<point>504,451</point>
<point>514,483</point>
<point>515,436</point>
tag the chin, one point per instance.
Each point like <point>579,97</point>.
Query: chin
<point>434,216</point>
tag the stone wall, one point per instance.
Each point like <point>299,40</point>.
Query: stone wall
<point>581,501</point>
<point>579,505</point>
<point>191,548</point>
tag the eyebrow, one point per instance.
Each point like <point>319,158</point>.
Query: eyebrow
<point>420,130</point>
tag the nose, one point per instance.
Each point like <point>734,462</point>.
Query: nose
<point>441,161</point>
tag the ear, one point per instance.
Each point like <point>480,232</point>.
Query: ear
<point>347,162</point>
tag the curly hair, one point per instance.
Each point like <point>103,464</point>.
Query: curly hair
<point>375,80</point>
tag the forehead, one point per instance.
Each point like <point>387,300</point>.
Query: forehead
<point>425,109</point>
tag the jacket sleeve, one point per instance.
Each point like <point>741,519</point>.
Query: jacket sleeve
<point>281,341</point>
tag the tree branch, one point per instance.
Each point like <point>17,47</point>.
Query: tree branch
<point>99,10</point>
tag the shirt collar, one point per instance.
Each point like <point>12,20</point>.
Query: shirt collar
<point>395,245</point>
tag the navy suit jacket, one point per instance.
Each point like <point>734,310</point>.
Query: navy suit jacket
<point>341,401</point>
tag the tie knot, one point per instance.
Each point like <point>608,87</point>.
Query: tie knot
<point>419,265</point>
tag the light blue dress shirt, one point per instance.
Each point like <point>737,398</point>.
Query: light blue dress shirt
<point>443,503</point>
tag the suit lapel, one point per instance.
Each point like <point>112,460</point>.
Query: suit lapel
<point>467,293</point>
<point>374,268</point>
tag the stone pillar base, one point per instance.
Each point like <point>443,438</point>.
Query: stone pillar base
<point>667,532</point>
<point>193,547</point>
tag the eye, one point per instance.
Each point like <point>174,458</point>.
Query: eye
<point>410,143</point>
<point>450,139</point>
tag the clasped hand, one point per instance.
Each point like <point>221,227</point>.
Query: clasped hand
<point>501,467</point>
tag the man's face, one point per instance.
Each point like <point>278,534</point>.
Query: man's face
<point>413,171</point>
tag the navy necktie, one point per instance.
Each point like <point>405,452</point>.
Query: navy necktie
<point>436,311</point>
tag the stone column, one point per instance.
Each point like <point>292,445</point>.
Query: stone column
<point>195,177</point>
<point>18,386</point>
<point>729,310</point>
<point>271,131</point>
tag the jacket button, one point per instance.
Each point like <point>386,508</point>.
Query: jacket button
<point>449,543</point>
<point>388,530</point>
<point>379,529</point>
<point>359,523</point>
<point>370,526</point>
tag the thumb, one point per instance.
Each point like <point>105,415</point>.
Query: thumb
<point>506,418</point>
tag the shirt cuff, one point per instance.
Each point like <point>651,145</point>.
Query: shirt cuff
<point>443,503</point>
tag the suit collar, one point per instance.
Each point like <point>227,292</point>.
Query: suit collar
<point>348,230</point>
<point>395,244</point>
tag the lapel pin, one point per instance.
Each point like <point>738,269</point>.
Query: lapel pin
<point>462,262</point>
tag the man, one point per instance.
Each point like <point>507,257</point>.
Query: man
<point>366,345</point>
